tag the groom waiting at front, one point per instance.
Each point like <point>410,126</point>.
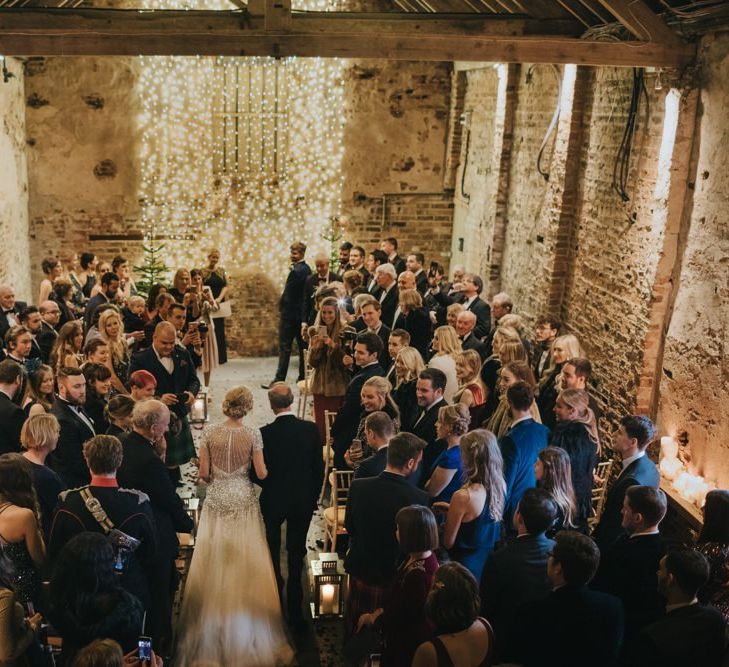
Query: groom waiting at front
<point>292,451</point>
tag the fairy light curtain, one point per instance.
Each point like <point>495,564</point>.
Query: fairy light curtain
<point>243,154</point>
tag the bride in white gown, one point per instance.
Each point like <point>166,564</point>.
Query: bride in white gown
<point>231,613</point>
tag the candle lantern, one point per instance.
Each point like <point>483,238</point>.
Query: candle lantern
<point>327,576</point>
<point>199,409</point>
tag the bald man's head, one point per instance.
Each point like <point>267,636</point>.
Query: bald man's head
<point>280,397</point>
<point>164,339</point>
<point>406,280</point>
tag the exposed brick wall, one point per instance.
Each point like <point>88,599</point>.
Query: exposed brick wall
<point>252,328</point>
<point>454,146</point>
<point>694,394</point>
<point>14,251</point>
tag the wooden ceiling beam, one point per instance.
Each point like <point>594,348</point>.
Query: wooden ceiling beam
<point>642,21</point>
<point>97,32</point>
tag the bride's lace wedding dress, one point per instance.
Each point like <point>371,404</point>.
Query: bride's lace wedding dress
<point>231,613</point>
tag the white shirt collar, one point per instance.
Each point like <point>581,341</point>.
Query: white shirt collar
<point>645,532</point>
<point>672,607</point>
<point>468,302</point>
<point>377,330</point>
<point>434,403</point>
<point>630,459</point>
<point>284,414</point>
<point>521,419</point>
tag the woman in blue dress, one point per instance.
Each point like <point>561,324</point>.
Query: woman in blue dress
<point>446,476</point>
<point>473,520</point>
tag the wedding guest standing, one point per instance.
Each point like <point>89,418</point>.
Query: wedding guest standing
<point>326,355</point>
<point>12,416</point>
<point>214,277</point>
<point>471,389</point>
<point>67,350</point>
<point>563,348</point>
<point>290,307</point>
<point>553,473</point>
<point>446,477</point>
<point>473,519</point>
<point>713,542</point>
<point>576,433</point>
<point>408,366</point>
<point>52,269</point>
<point>206,306</point>
<point>39,392</point>
<point>446,348</point>
<point>402,618</point>
<point>98,385</point>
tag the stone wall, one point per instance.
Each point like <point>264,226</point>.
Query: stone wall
<point>694,382</point>
<point>14,250</point>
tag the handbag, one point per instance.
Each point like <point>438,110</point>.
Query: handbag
<point>224,310</point>
<point>123,544</point>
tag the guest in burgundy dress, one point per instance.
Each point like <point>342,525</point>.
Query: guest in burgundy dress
<point>402,619</point>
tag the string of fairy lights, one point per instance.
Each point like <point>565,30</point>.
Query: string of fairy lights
<point>240,154</point>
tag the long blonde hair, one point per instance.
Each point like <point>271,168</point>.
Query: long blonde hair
<point>472,361</point>
<point>117,346</point>
<point>447,340</point>
<point>557,481</point>
<point>413,361</point>
<point>578,401</point>
<point>483,464</point>
<point>339,322</point>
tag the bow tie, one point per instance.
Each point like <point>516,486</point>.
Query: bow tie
<point>12,310</point>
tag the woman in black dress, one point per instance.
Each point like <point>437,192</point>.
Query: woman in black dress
<point>98,385</point>
<point>564,348</point>
<point>416,321</point>
<point>214,277</point>
<point>576,433</point>
<point>713,542</point>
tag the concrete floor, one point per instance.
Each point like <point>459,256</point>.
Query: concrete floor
<point>320,643</point>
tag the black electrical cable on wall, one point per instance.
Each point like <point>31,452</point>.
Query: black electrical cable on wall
<point>621,168</point>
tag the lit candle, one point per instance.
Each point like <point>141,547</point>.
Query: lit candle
<point>669,447</point>
<point>327,599</point>
<point>671,468</point>
<point>198,409</point>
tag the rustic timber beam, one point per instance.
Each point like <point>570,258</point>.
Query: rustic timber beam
<point>641,21</point>
<point>277,15</point>
<point>98,32</point>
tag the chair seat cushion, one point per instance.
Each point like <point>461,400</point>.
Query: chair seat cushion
<point>329,515</point>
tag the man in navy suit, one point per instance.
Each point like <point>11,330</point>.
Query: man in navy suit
<point>290,308</point>
<point>573,626</point>
<point>628,567</point>
<point>520,447</point>
<point>472,286</point>
<point>292,450</point>
<point>689,633</point>
<point>429,390</point>
<point>177,386</point>
<point>367,351</point>
<point>67,460</point>
<point>389,295</point>
<point>631,440</point>
<point>517,574</point>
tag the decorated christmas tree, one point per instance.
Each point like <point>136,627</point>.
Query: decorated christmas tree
<point>334,235</point>
<point>152,270</point>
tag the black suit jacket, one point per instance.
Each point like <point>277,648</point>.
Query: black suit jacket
<point>46,338</point>
<point>417,324</point>
<point>399,264</point>
<point>370,521</point>
<point>473,343</point>
<point>346,422</point>
<point>684,637</point>
<point>292,451</point>
<point>12,418</point>
<point>642,472</point>
<point>292,297</point>
<point>628,570</point>
<point>482,311</point>
<point>183,377</point>
<point>311,285</point>
<point>93,303</point>
<point>384,334</point>
<point>373,465</point>
<point>20,306</point>
<point>68,457</point>
<point>389,306</point>
<point>571,627</point>
<point>425,428</point>
<point>421,282</point>
<point>143,470</point>
<point>514,576</point>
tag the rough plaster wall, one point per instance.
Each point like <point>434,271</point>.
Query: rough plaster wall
<point>14,250</point>
<point>526,255</point>
<point>615,248</point>
<point>476,182</point>
<point>82,163</point>
<point>695,384</point>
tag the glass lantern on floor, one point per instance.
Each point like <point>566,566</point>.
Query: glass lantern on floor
<point>327,579</point>
<point>199,409</point>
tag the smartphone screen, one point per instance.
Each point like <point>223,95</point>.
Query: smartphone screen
<point>145,649</point>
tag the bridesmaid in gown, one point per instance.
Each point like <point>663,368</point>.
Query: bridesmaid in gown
<point>473,520</point>
<point>231,613</point>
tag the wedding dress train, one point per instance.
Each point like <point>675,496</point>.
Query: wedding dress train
<point>231,613</point>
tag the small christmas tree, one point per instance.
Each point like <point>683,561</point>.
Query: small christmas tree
<point>334,235</point>
<point>153,269</point>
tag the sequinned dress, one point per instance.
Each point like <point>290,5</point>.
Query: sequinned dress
<point>231,613</point>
